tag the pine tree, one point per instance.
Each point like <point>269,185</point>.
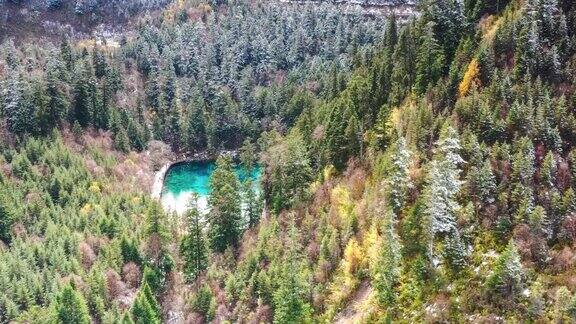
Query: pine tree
<point>82,103</point>
<point>398,179</point>
<point>196,140</point>
<point>455,252</point>
<point>482,183</point>
<point>387,272</point>
<point>522,195</point>
<point>145,307</point>
<point>193,246</point>
<point>204,303</point>
<point>157,236</point>
<point>288,172</point>
<point>252,201</point>
<point>248,157</point>
<point>39,100</point>
<point>18,110</point>
<point>7,218</point>
<point>173,132</point>
<point>290,305</point>
<point>391,35</point>
<point>71,307</point>
<point>99,63</point>
<point>444,184</point>
<point>66,54</point>
<point>100,104</point>
<point>403,71</point>
<point>448,23</point>
<point>548,171</point>
<point>224,202</point>
<point>430,62</point>
<point>506,279</point>
<point>58,103</point>
<point>528,50</point>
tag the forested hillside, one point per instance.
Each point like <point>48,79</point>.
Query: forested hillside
<point>413,172</point>
<point>38,19</point>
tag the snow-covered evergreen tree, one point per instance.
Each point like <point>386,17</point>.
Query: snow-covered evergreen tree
<point>455,252</point>
<point>398,180</point>
<point>507,278</point>
<point>444,184</point>
<point>482,183</point>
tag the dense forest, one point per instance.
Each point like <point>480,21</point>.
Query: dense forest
<point>414,171</point>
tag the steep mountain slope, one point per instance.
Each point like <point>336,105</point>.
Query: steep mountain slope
<point>414,172</point>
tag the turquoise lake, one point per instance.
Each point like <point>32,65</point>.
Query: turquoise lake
<point>182,180</point>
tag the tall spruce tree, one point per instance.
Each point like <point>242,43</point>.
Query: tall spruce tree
<point>224,218</point>
<point>444,184</point>
<point>506,281</point>
<point>398,177</point>
<point>82,108</point>
<point>430,62</point>
<point>387,271</point>
<point>71,307</point>
<point>145,309</point>
<point>193,246</point>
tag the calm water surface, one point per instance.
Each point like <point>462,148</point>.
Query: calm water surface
<point>182,180</point>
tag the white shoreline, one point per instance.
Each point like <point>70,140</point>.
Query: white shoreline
<point>159,181</point>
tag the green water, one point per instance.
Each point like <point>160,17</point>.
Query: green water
<point>182,180</point>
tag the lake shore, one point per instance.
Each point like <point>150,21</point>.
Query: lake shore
<point>175,204</point>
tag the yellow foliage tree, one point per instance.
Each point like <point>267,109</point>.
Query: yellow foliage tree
<point>470,78</point>
<point>353,257</point>
<point>371,245</point>
<point>346,280</point>
<point>342,200</point>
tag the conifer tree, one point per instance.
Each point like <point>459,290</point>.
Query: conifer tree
<point>253,203</point>
<point>403,72</point>
<point>288,172</point>
<point>290,305</point>
<point>82,103</point>
<point>248,156</point>
<point>71,307</point>
<point>66,54</point>
<point>196,140</point>
<point>193,246</point>
<point>455,252</point>
<point>145,307</point>
<point>387,273</point>
<point>448,23</point>
<point>157,254</point>
<point>482,183</point>
<point>398,179</point>
<point>523,168</point>
<point>99,63</point>
<point>506,279</point>
<point>7,218</point>
<point>444,184</point>
<point>18,110</point>
<point>430,62</point>
<point>204,303</point>
<point>58,103</point>
<point>224,202</point>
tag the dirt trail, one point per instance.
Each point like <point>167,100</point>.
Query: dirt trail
<point>352,313</point>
